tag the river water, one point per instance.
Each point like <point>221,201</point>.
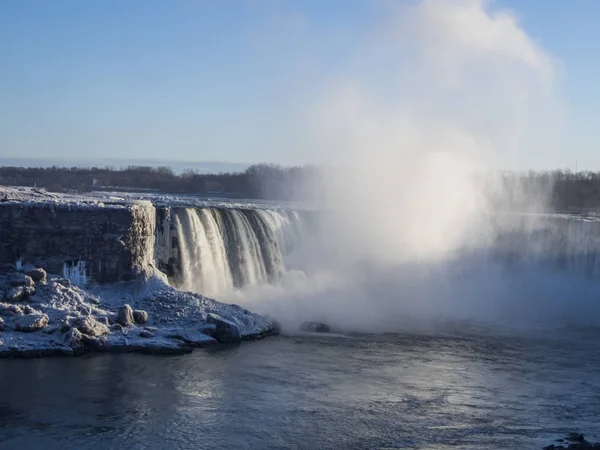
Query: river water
<point>312,392</point>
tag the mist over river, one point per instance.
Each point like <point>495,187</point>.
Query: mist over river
<point>462,317</point>
<point>312,392</point>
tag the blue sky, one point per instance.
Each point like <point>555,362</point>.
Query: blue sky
<point>212,80</point>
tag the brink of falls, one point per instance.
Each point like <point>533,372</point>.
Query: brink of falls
<point>212,250</point>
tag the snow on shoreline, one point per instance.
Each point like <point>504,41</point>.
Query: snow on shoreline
<point>50,315</point>
<point>55,317</point>
<point>120,199</point>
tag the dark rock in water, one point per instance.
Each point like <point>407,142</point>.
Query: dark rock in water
<point>225,331</point>
<point>276,326</point>
<point>576,437</point>
<point>38,275</point>
<point>315,327</point>
<point>92,327</point>
<point>125,315</point>
<point>30,323</point>
<point>140,316</point>
<point>576,441</point>
<point>1,324</point>
<point>20,279</point>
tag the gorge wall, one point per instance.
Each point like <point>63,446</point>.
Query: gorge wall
<point>85,242</point>
<point>214,248</point>
<point>200,249</point>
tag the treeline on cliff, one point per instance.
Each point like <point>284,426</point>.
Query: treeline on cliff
<point>258,181</point>
<point>559,190</point>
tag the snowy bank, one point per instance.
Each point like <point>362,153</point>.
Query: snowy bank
<point>48,315</point>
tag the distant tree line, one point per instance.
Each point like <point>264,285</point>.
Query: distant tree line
<point>257,181</point>
<point>560,190</point>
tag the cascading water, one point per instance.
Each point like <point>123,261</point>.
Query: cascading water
<point>519,268</point>
<point>221,249</point>
<point>202,252</point>
<point>554,242</point>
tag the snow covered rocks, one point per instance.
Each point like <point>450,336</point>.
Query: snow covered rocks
<point>140,316</point>
<point>125,316</point>
<point>225,330</point>
<point>144,316</point>
<point>10,310</point>
<point>314,327</point>
<point>37,275</point>
<point>31,322</point>
<point>19,286</point>
<point>90,326</point>
<point>19,293</point>
<point>20,279</point>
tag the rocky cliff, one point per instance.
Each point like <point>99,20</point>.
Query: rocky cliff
<point>85,242</point>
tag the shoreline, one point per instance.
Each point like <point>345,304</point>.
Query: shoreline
<point>53,317</point>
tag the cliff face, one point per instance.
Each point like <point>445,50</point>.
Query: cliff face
<point>108,243</point>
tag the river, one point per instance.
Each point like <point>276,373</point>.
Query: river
<point>311,392</point>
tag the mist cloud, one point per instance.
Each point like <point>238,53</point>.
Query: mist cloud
<point>442,92</point>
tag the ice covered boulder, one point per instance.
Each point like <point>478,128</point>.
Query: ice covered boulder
<point>10,310</point>
<point>62,281</point>
<point>31,322</point>
<point>92,327</point>
<point>125,315</point>
<point>225,330</point>
<point>29,310</point>
<point>191,337</point>
<point>73,338</point>
<point>140,316</point>
<point>38,275</point>
<point>93,342</point>
<point>19,293</point>
<point>315,327</point>
<point>20,279</point>
<point>209,329</point>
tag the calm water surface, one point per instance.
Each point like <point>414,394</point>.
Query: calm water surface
<point>310,392</point>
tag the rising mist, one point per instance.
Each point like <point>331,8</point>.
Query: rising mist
<point>410,216</point>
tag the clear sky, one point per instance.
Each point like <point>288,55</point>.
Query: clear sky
<point>226,80</point>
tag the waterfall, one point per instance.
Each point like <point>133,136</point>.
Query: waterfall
<point>216,250</point>
<point>555,242</point>
<point>219,249</point>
